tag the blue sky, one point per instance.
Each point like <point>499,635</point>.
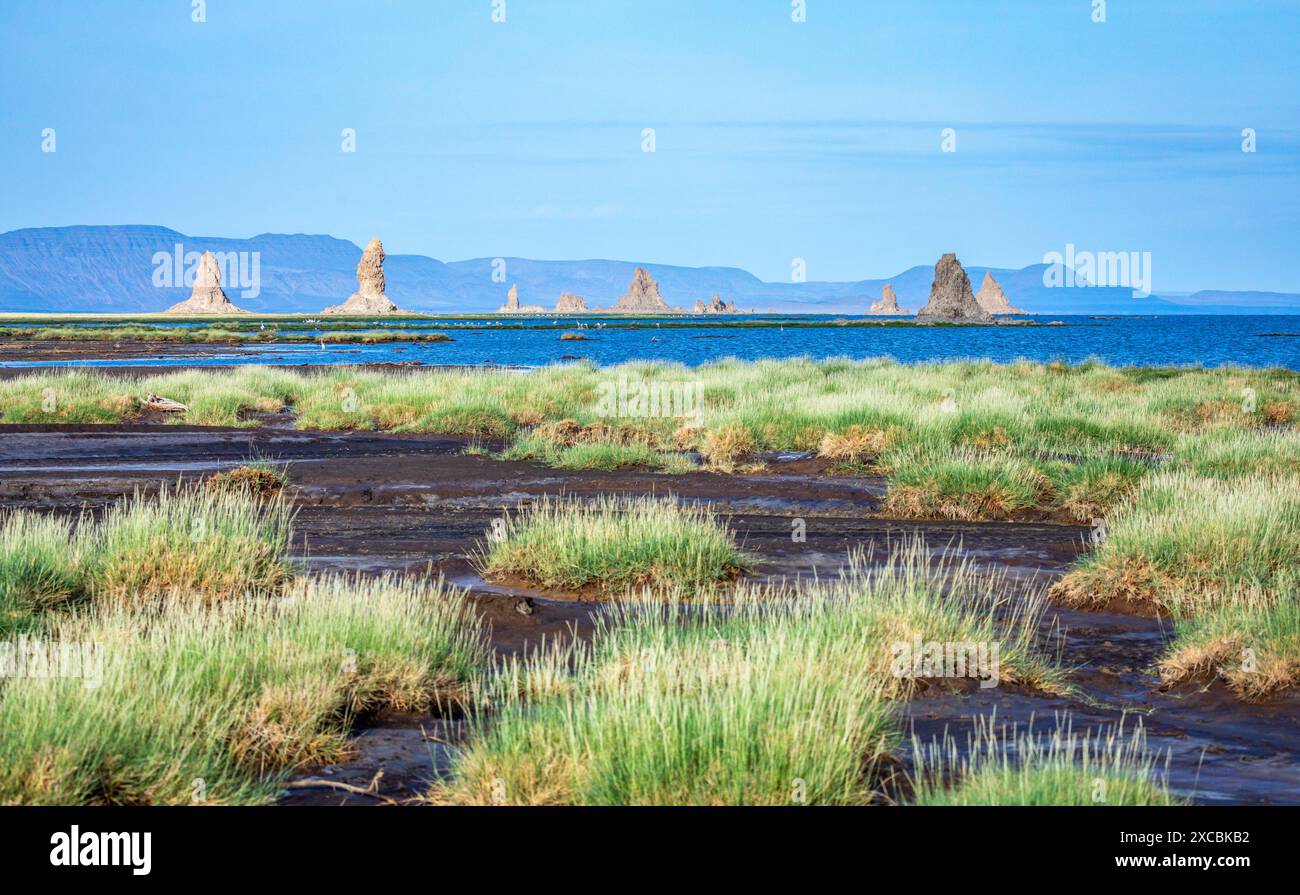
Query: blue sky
<point>774,139</point>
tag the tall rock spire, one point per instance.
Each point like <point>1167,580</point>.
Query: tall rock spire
<point>207,296</point>
<point>370,297</point>
<point>951,299</point>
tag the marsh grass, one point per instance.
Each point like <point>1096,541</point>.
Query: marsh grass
<point>1251,643</point>
<point>1092,489</point>
<point>1242,453</point>
<point>184,543</point>
<point>967,440</point>
<point>41,568</point>
<point>1188,544</point>
<point>1012,766</point>
<point>856,412</point>
<point>190,541</point>
<point>961,484</point>
<point>614,544</point>
<point>774,697</point>
<point>595,455</point>
<point>218,704</point>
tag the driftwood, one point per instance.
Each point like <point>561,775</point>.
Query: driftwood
<point>164,405</point>
<point>319,783</point>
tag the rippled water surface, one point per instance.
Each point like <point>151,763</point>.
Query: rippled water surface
<point>1207,340</point>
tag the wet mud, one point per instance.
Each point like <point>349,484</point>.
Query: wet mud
<point>371,503</point>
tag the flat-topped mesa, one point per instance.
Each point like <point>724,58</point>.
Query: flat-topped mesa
<point>512,305</point>
<point>642,294</point>
<point>568,303</point>
<point>206,297</point>
<point>370,297</point>
<point>951,299</point>
<point>992,299</point>
<point>888,304</point>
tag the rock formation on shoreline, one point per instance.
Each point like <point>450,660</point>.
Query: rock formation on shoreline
<point>888,304</point>
<point>206,297</point>
<point>369,297</point>
<point>715,306</point>
<point>512,305</point>
<point>992,299</point>
<point>568,303</point>
<point>951,299</point>
<point>642,295</point>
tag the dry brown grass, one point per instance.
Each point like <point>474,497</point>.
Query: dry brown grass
<point>1222,659</point>
<point>394,415</point>
<point>994,439</point>
<point>257,481</point>
<point>921,502</point>
<point>724,446</point>
<point>1220,413</point>
<point>1276,413</point>
<point>291,725</point>
<point>854,444</point>
<point>568,433</point>
<point>1132,581</point>
<point>526,417</point>
<point>1093,499</point>
<point>122,405</point>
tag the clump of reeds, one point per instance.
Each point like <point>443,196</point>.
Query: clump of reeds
<point>614,544</point>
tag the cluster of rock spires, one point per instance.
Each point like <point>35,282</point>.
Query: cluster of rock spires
<point>370,297</point>
<point>951,299</point>
<point>207,296</point>
<point>642,294</point>
<point>888,304</point>
<point>715,306</point>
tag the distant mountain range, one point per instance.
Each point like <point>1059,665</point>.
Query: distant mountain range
<point>111,269</point>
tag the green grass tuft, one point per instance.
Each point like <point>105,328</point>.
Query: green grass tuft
<point>773,698</point>
<point>218,705</point>
<point>1013,767</point>
<point>614,544</point>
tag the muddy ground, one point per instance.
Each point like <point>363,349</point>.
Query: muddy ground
<point>69,350</point>
<point>373,502</point>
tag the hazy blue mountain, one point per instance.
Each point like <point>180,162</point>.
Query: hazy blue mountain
<point>110,269</point>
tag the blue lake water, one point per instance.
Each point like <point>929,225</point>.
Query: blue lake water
<point>1205,340</point>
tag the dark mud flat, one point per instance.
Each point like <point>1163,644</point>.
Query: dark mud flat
<point>371,503</point>
<point>1221,750</point>
<point>398,758</point>
<point>66,350</point>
